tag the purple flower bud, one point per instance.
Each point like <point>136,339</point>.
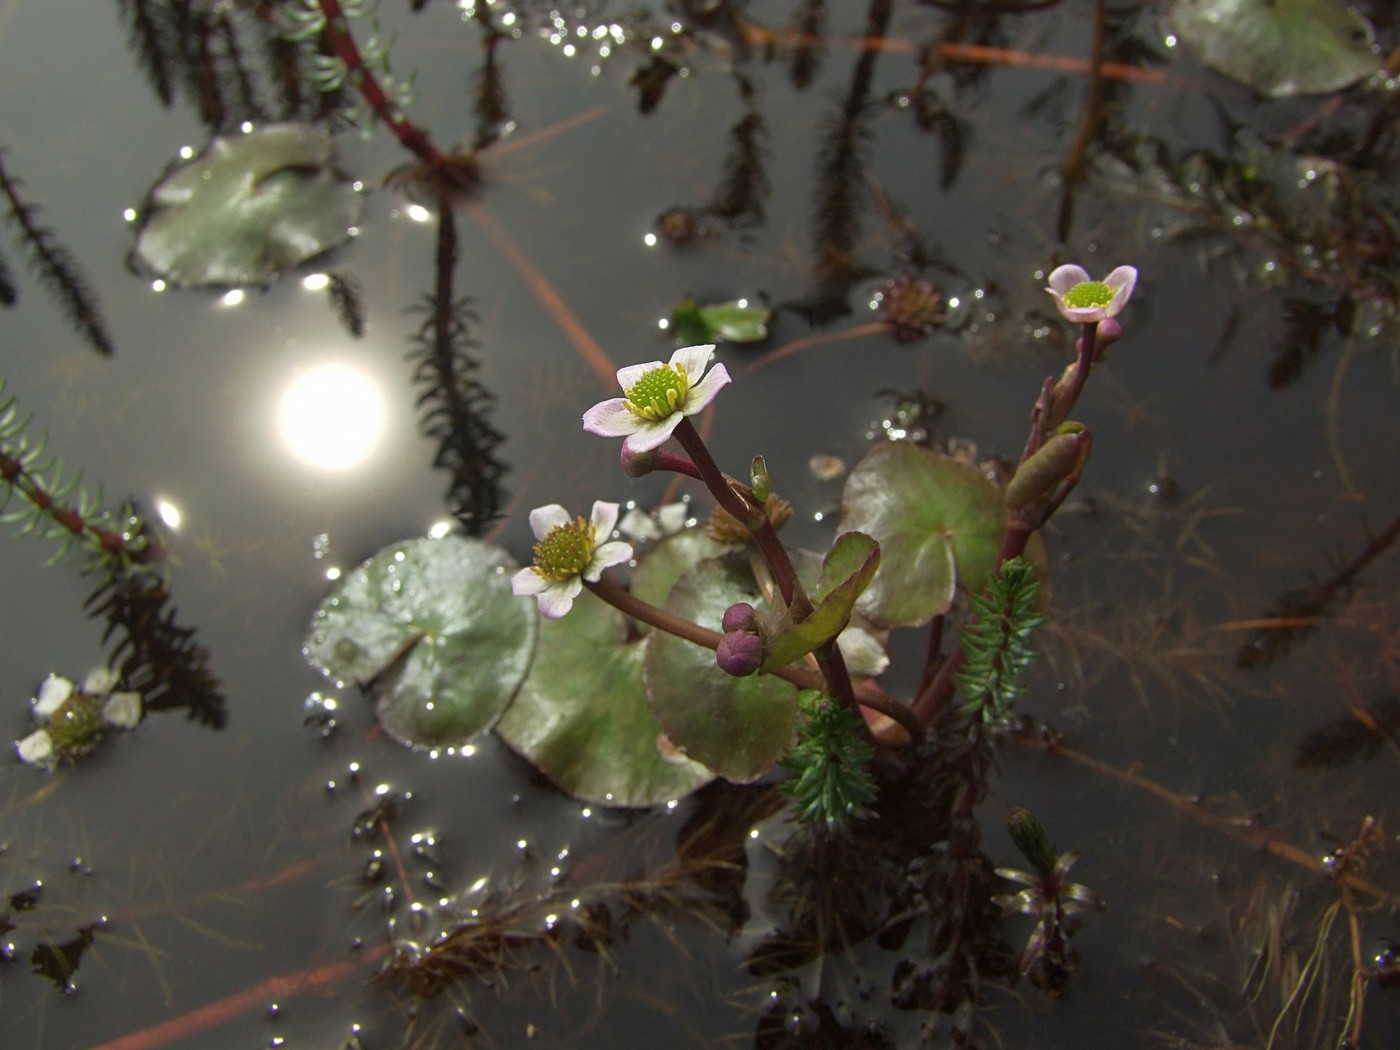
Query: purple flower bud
<point>738,617</point>
<point>740,653</point>
<point>637,464</point>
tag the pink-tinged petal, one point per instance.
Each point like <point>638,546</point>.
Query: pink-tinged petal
<point>692,360</point>
<point>558,598</point>
<point>606,556</point>
<point>611,419</point>
<point>1083,314</point>
<point>1063,278</point>
<point>628,375</point>
<point>652,435</point>
<point>52,693</point>
<point>702,395</point>
<point>527,583</point>
<point>1122,280</point>
<point>545,519</point>
<point>603,519</point>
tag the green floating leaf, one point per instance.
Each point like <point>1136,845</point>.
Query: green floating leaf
<point>658,570</point>
<point>248,208</point>
<point>732,322</point>
<point>739,727</point>
<point>582,716</point>
<point>846,572</point>
<point>938,523</point>
<point>432,623</point>
<point>1279,47</point>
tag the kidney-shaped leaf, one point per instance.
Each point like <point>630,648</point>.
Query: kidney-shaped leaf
<point>582,717</point>
<point>248,208</point>
<point>938,523</point>
<point>432,623</point>
<point>1279,47</point>
<point>739,727</point>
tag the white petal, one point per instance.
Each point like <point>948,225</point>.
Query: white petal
<point>612,419</point>
<point>545,519</point>
<point>1083,314</point>
<point>100,680</point>
<point>862,651</point>
<point>52,693</point>
<point>652,435</point>
<point>702,395</point>
<point>122,710</point>
<point>628,375</point>
<point>558,598</point>
<point>527,582</point>
<point>692,360</point>
<point>36,749</point>
<point>609,554</point>
<point>1122,280</point>
<point>672,517</point>
<point>604,518</point>
<point>1063,278</point>
<point>639,526</point>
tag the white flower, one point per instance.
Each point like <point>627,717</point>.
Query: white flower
<point>122,710</point>
<point>1084,300</point>
<point>666,520</point>
<point>36,749</point>
<point>657,397</point>
<point>568,553</point>
<point>52,694</point>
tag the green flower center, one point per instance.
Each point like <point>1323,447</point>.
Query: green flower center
<point>1089,294</point>
<point>565,551</point>
<point>76,725</point>
<point>658,393</point>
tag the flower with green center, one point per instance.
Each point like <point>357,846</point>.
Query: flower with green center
<point>73,720</point>
<point>657,397</point>
<point>1084,300</point>
<point>568,553</point>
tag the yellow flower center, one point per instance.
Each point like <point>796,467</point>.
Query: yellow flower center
<point>77,724</point>
<point>565,550</point>
<point>658,393</point>
<point>1089,294</point>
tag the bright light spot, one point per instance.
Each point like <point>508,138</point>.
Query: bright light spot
<point>316,282</point>
<point>233,297</point>
<point>742,304</point>
<point>331,416</point>
<point>357,186</point>
<point>439,529</point>
<point>570,50</point>
<point>246,127</point>
<point>169,513</point>
<point>663,324</point>
<point>649,240</point>
<point>129,214</point>
<point>418,213</point>
<point>508,19</point>
<point>521,844</point>
<point>186,152</point>
<point>953,302</point>
<point>333,573</point>
<point>157,285</point>
<point>1170,41</point>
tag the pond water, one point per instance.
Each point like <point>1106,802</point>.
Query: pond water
<point>238,869</point>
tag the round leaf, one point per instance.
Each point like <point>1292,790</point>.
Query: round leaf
<point>433,626</point>
<point>248,208</point>
<point>658,570</point>
<point>739,727</point>
<point>1279,47</point>
<point>582,717</point>
<point>938,523</point>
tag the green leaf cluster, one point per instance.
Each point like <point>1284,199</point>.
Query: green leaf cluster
<point>831,781</point>
<point>996,641</point>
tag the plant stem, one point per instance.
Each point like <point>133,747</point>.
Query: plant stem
<point>867,695</point>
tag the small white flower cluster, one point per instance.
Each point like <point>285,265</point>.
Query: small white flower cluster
<point>72,719</point>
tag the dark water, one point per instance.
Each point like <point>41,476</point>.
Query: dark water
<point>225,861</point>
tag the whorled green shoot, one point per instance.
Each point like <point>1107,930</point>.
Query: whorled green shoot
<point>996,641</point>
<point>830,779</point>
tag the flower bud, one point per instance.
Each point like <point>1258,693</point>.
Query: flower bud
<point>759,481</point>
<point>1030,839</point>
<point>1061,457</point>
<point>637,464</point>
<point>738,617</point>
<point>740,653</point>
